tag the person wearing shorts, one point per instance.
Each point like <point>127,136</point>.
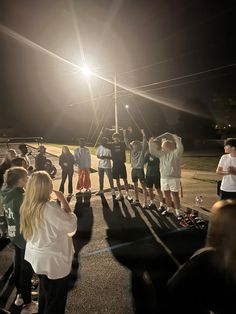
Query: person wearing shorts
<point>170,157</point>
<point>153,180</point>
<point>138,150</point>
<point>117,148</point>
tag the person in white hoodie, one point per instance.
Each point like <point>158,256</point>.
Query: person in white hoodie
<point>83,160</point>
<point>48,229</point>
<point>170,156</point>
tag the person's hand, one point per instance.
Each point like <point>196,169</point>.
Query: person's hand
<point>60,196</point>
<point>142,131</point>
<point>232,170</point>
<point>152,139</point>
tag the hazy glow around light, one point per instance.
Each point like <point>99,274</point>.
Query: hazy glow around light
<point>126,106</point>
<point>86,70</point>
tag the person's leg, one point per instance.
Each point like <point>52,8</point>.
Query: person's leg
<point>110,178</point>
<point>63,180</point>
<point>168,198</point>
<point>43,288</point>
<point>145,193</point>
<point>87,181</point>
<point>160,196</point>
<point>80,179</point>
<point>70,182</point>
<point>101,178</point>
<point>141,177</point>
<point>136,191</point>
<point>56,295</point>
<point>26,276</point>
<point>151,194</point>
<point>118,185</point>
<point>17,268</point>
<point>175,188</point>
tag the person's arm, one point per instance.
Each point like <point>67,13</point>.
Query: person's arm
<point>179,146</point>
<point>61,161</point>
<point>153,148</point>
<point>220,167</point>
<point>126,140</point>
<point>64,204</point>
<point>144,143</point>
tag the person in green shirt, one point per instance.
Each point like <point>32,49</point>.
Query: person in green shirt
<point>12,194</point>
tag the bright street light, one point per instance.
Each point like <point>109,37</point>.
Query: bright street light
<point>86,70</point>
<point>127,107</point>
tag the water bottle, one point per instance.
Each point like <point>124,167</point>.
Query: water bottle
<point>197,201</point>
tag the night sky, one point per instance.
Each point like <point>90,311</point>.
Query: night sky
<point>144,42</point>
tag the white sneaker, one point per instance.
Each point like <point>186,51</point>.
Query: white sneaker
<point>144,205</point>
<point>119,197</point>
<point>19,300</point>
<point>167,211</point>
<point>30,308</point>
<point>129,197</point>
<point>177,213</point>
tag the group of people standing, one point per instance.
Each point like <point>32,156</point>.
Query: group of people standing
<point>163,169</point>
<point>41,228</point>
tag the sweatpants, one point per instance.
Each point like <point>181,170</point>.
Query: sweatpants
<point>108,172</point>
<point>52,295</point>
<point>84,181</point>
<point>23,274</point>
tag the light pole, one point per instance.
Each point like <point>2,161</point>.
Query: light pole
<point>116,108</point>
<point>87,72</point>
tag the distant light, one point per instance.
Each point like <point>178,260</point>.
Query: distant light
<point>229,125</point>
<point>126,106</point>
<point>86,70</point>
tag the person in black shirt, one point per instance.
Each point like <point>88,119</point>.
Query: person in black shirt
<point>40,159</point>
<point>119,169</point>
<point>66,161</point>
<point>153,178</point>
<point>207,282</point>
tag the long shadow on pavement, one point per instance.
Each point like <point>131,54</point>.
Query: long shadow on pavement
<point>84,213</point>
<point>133,246</point>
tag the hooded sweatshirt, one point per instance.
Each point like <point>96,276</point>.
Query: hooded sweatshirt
<point>170,162</point>
<point>12,199</point>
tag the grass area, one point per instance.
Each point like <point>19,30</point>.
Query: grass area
<point>92,149</point>
<point>191,160</point>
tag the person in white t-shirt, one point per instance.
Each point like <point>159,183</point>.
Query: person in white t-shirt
<point>48,229</point>
<point>104,166</point>
<point>227,168</point>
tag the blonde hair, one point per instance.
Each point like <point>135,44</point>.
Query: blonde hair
<point>37,194</point>
<point>222,233</point>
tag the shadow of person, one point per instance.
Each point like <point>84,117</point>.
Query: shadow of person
<point>82,237</point>
<point>133,246</point>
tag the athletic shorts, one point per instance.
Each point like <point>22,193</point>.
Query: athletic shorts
<point>153,181</point>
<point>170,184</point>
<point>138,174</point>
<point>119,171</point>
<point>227,195</point>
